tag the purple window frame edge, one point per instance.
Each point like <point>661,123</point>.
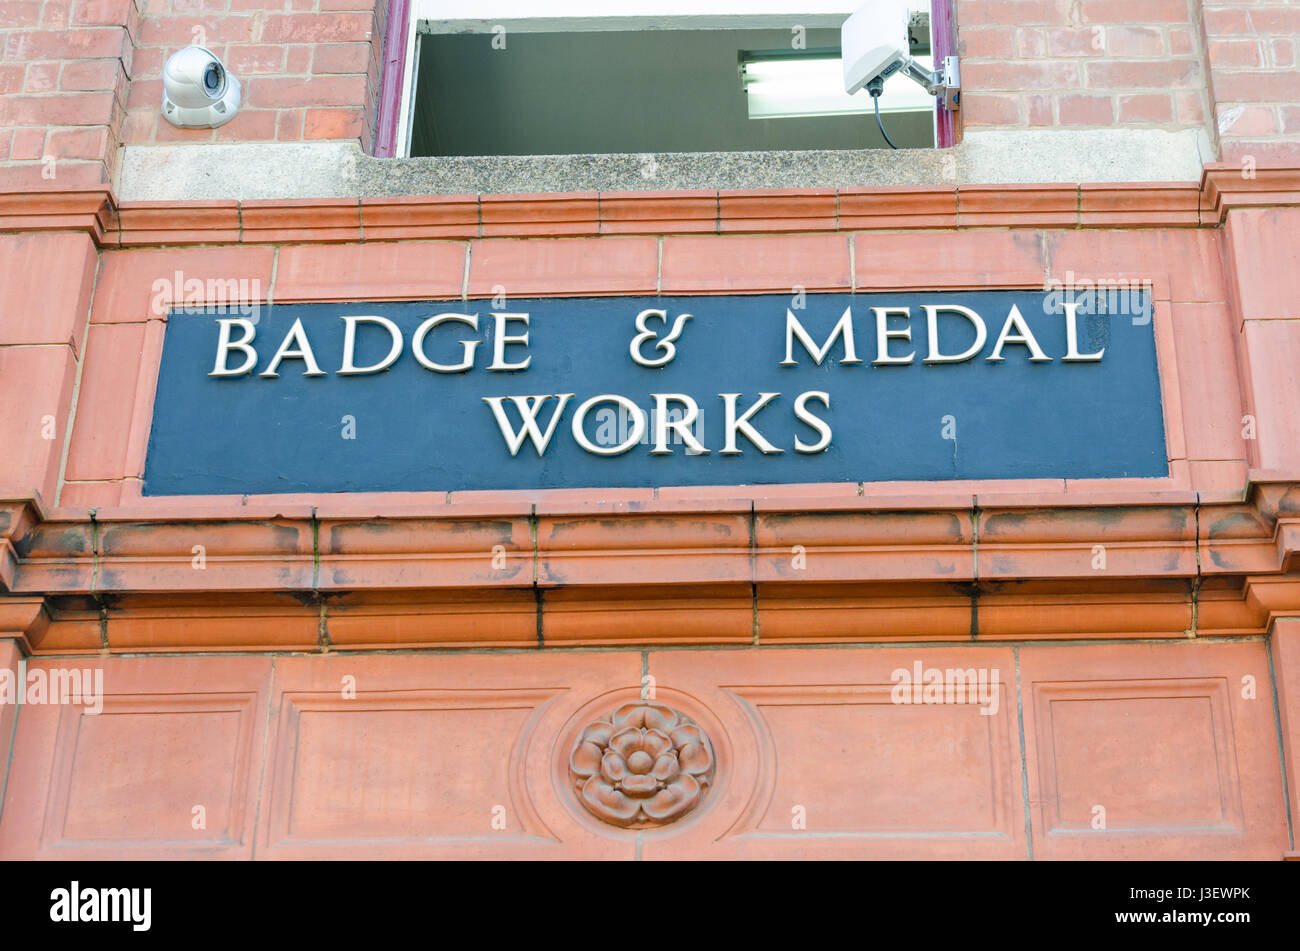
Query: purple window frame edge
<point>942,44</point>
<point>394,73</point>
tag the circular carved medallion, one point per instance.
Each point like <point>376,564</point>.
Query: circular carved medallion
<point>642,766</point>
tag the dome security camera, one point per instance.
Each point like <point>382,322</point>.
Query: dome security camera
<point>198,91</point>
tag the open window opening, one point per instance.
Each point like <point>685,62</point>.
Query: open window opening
<point>649,84</point>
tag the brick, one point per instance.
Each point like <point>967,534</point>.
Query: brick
<point>1221,21</point>
<point>298,62</point>
<point>11,79</point>
<point>1127,11</point>
<point>92,43</point>
<point>27,145</point>
<point>137,127</point>
<point>1181,42</point>
<point>1191,107</point>
<point>1086,110</point>
<point>316,27</point>
<point>341,58</point>
<point>17,178</point>
<point>976,43</point>
<point>1290,120</point>
<point>148,62</point>
<point>1282,52</point>
<point>288,125</point>
<point>91,74</point>
<point>87,108</point>
<point>278,93</point>
<point>1273,152</point>
<point>101,12</point>
<point>1010,12</point>
<point>1018,76</point>
<point>145,93</point>
<point>1134,41</point>
<point>255,60</point>
<point>197,6</point>
<point>1153,107</point>
<point>18,13</point>
<point>1257,87</point>
<point>1247,121</point>
<point>1235,53</point>
<point>1079,42</point>
<point>981,108</point>
<point>55,16</point>
<point>178,31</point>
<point>1273,19</point>
<point>251,125</point>
<point>1040,110</point>
<point>1136,75</point>
<point>1031,44</point>
<point>332,124</point>
<point>41,77</point>
<point>88,143</point>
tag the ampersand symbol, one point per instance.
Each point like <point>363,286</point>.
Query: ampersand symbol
<point>665,344</point>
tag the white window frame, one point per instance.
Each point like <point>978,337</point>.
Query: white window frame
<point>520,16</point>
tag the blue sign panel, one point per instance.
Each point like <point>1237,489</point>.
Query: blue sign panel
<point>628,391</point>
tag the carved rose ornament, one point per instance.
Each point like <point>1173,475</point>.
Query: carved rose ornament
<point>644,765</point>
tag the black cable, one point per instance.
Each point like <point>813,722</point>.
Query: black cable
<point>875,99</point>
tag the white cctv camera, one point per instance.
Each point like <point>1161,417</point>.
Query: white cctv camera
<point>198,91</point>
<point>874,46</point>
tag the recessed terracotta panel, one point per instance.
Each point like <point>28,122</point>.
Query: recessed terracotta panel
<point>1152,751</point>
<point>822,763</point>
<point>167,769</point>
<point>434,756</point>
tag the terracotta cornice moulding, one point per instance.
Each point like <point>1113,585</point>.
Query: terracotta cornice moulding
<point>770,211</point>
<point>1227,186</point>
<point>1119,564</point>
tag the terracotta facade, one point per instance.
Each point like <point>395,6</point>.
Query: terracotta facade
<point>658,672</point>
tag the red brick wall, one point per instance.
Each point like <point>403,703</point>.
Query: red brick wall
<point>309,68</point>
<point>1254,78</point>
<point>64,69</point>
<point>80,77</point>
<point>1036,63</point>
